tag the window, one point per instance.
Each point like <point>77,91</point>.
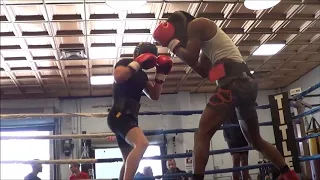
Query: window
<point>24,150</point>
<point>112,170</point>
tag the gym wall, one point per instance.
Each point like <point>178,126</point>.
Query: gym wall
<point>170,102</point>
<point>305,82</point>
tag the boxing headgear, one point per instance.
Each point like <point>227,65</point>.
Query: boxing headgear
<point>180,20</point>
<point>145,47</point>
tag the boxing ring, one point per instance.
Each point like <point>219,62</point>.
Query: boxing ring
<point>280,113</point>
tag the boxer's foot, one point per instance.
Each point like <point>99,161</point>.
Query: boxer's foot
<point>290,175</point>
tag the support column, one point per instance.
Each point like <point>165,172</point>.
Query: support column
<point>299,107</point>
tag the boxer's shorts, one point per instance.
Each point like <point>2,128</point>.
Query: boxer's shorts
<point>121,124</point>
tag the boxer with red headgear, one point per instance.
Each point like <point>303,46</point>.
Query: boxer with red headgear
<point>220,61</point>
<point>130,81</point>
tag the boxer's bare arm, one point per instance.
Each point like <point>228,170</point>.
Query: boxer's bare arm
<point>203,66</point>
<point>153,91</point>
<point>190,54</point>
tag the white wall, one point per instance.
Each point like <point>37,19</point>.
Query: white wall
<point>308,80</point>
<point>173,102</point>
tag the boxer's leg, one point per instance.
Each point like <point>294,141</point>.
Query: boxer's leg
<point>244,162</point>
<point>246,91</point>
<point>126,126</point>
<point>250,128</point>
<point>125,149</point>
<point>217,110</point>
<point>118,126</point>
<point>138,140</point>
<point>236,163</point>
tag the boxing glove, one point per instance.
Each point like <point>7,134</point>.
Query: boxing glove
<point>144,61</point>
<point>163,67</point>
<point>164,34</point>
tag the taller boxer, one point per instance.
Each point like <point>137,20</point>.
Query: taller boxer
<point>220,61</point>
<point>130,82</point>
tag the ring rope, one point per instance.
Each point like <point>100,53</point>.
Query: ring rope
<point>227,170</point>
<point>104,135</point>
<point>309,158</point>
<point>84,161</point>
<point>162,157</point>
<point>170,156</point>
<point>59,137</point>
<point>309,112</point>
<point>101,115</point>
<point>308,137</point>
<point>55,115</point>
<point>216,171</point>
<point>307,91</point>
<point>147,133</point>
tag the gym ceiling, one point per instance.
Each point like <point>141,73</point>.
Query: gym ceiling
<point>52,48</point>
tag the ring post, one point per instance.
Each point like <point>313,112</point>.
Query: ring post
<point>283,129</point>
<point>314,146</point>
<point>299,107</point>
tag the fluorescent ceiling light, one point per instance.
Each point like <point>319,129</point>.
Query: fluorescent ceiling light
<point>268,49</point>
<point>125,5</point>
<point>101,80</point>
<point>260,4</point>
<point>251,72</point>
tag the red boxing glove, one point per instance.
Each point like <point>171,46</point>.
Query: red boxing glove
<point>164,34</point>
<point>163,66</point>
<point>144,61</point>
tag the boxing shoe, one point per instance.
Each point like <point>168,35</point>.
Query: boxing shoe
<point>291,175</point>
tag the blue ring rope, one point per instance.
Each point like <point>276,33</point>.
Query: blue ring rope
<point>214,152</point>
<point>176,131</point>
<point>309,112</point>
<point>309,158</point>
<point>188,113</point>
<point>189,154</point>
<point>179,155</point>
<point>216,171</point>
<point>227,170</point>
<point>237,169</point>
<point>308,137</point>
<point>307,91</point>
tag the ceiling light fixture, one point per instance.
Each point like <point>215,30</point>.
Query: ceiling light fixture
<point>268,49</point>
<point>125,5</point>
<point>251,72</point>
<point>101,80</point>
<point>260,5</point>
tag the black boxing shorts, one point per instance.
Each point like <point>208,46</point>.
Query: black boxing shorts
<point>238,92</point>
<point>239,143</point>
<point>123,117</point>
<point>236,86</point>
<point>120,124</point>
